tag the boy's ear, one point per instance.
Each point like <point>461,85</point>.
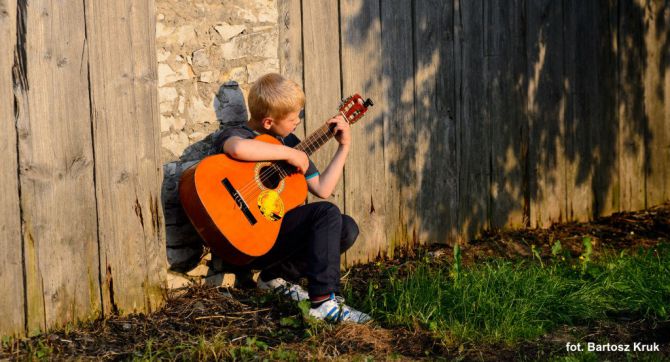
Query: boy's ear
<point>267,122</point>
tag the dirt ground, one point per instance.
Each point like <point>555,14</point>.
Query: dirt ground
<point>236,315</point>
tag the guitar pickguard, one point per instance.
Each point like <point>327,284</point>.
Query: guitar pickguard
<point>271,205</point>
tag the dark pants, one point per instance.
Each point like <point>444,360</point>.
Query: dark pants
<point>310,241</point>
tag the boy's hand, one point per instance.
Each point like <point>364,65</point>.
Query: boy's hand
<point>298,159</point>
<point>343,132</point>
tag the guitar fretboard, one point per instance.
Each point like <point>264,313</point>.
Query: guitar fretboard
<point>351,109</point>
<point>317,139</point>
<point>309,145</point>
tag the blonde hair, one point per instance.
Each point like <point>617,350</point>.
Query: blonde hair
<point>274,96</point>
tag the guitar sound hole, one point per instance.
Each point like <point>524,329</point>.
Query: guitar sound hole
<point>269,177</point>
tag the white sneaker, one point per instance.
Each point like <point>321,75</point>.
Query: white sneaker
<point>334,310</point>
<point>281,286</point>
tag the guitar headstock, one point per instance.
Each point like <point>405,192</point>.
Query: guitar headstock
<point>354,107</point>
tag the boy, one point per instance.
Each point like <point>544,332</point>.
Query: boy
<point>312,236</point>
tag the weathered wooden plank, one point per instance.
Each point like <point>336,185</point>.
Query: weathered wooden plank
<point>435,102</point>
<point>365,187</point>
<point>546,112</point>
<point>656,99</point>
<point>474,148</point>
<point>582,107</point>
<point>664,47</point>
<point>290,45</point>
<point>606,126</point>
<point>121,38</point>
<point>11,273</point>
<point>56,167</point>
<point>633,121</point>
<point>322,78</point>
<point>507,84</point>
<point>398,118</point>
<point>591,127</point>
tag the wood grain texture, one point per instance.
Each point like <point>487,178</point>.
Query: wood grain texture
<point>546,106</point>
<point>11,273</point>
<point>507,85</point>
<point>633,121</point>
<point>322,79</point>
<point>581,108</point>
<point>656,100</point>
<point>664,47</point>
<point>436,132</point>
<point>56,168</point>
<point>474,145</point>
<point>128,172</point>
<point>365,186</point>
<point>591,127</point>
<point>606,126</point>
<point>397,104</point>
<point>290,45</point>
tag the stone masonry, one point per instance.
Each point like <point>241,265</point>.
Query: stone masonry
<point>209,53</point>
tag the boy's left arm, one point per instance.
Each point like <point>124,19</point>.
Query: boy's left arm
<point>323,185</point>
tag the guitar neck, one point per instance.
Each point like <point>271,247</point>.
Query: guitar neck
<point>317,139</point>
<point>351,109</point>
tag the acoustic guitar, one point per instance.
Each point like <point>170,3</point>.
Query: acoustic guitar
<point>237,206</point>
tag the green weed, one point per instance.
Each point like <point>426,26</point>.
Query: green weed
<point>249,350</point>
<point>585,258</point>
<point>41,351</point>
<point>456,269</point>
<point>536,255</point>
<point>281,354</point>
<point>556,248</point>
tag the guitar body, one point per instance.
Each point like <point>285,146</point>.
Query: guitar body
<point>236,207</point>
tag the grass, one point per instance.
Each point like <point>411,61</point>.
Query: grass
<point>218,347</point>
<point>504,309</point>
<point>506,302</point>
<point>594,357</point>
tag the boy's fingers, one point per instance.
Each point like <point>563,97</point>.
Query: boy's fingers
<point>336,119</point>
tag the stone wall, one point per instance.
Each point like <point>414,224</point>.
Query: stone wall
<point>201,47</point>
<point>209,52</point>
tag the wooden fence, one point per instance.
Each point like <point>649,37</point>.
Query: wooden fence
<point>490,114</point>
<point>80,210</point>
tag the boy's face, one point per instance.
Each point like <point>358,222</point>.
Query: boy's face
<point>282,126</point>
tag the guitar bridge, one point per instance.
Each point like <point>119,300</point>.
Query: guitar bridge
<point>239,201</point>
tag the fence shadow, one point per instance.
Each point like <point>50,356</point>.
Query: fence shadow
<point>522,112</point>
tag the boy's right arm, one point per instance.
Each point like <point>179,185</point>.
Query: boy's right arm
<point>252,150</point>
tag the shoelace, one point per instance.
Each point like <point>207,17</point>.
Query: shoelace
<point>289,291</point>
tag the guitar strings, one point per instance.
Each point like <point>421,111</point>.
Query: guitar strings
<point>274,169</point>
<point>317,138</point>
<point>252,191</point>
